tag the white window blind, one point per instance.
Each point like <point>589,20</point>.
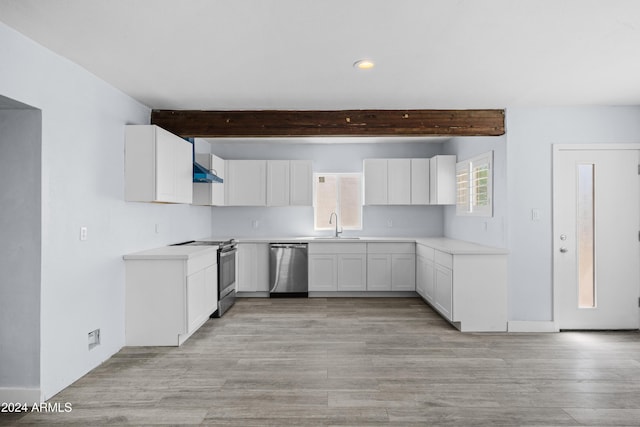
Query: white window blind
<point>474,186</point>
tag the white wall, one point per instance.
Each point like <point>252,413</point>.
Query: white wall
<point>20,186</point>
<point>530,135</point>
<point>327,157</point>
<point>82,285</point>
<point>490,231</point>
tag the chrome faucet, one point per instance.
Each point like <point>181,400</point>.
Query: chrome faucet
<point>330,217</point>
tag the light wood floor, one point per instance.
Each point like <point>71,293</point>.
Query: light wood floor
<point>359,362</point>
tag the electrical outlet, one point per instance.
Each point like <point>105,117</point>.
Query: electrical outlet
<point>157,228</point>
<point>94,338</point>
<point>255,223</point>
<point>83,233</point>
<point>389,223</point>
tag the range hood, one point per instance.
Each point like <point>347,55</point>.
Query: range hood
<point>200,173</point>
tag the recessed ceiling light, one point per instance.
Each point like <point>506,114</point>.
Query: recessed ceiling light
<point>363,64</point>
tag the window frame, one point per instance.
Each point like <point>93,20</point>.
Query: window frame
<point>468,206</point>
<point>338,175</point>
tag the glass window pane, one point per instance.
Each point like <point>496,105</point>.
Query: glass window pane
<point>350,204</point>
<point>585,222</point>
<point>326,200</point>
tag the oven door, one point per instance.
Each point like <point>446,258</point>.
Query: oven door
<point>226,272</point>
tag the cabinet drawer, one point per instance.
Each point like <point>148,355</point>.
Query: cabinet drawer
<point>337,248</point>
<point>201,262</point>
<point>444,259</point>
<point>426,252</point>
<point>391,248</point>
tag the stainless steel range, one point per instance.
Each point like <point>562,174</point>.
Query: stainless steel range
<point>226,271</point>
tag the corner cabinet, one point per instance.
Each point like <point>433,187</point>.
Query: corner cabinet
<point>442,180</point>
<point>170,293</point>
<point>391,267</point>
<point>158,166</point>
<point>464,282</point>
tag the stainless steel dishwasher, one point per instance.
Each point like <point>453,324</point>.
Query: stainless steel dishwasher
<point>288,270</point>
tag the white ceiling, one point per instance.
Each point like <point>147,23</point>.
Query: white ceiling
<point>298,54</point>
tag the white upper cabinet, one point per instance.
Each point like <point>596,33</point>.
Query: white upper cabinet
<point>158,166</point>
<point>420,181</point>
<point>210,193</point>
<point>269,183</point>
<point>278,178</point>
<point>399,181</point>
<point>396,181</point>
<point>442,182</point>
<point>301,183</point>
<point>246,183</point>
<point>375,182</point>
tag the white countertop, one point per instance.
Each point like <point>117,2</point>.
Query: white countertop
<point>444,244</point>
<point>174,252</point>
<point>459,247</point>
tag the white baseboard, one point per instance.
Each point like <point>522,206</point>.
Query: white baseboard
<point>531,326</point>
<point>20,395</point>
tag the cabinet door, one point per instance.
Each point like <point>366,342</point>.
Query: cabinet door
<point>301,179</point>
<point>375,182</point>
<point>323,273</point>
<point>403,272</point>
<point>246,275</point>
<point>246,183</point>
<point>379,272</point>
<point>421,279</point>
<point>430,281</point>
<point>420,181</point>
<point>196,300</point>
<point>442,180</point>
<point>399,181</point>
<point>217,188</point>
<point>278,183</point>
<point>444,291</point>
<point>211,289</point>
<point>352,272</point>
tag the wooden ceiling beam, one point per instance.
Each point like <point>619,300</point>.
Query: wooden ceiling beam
<point>301,123</point>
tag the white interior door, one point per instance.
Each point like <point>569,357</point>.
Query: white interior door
<point>596,239</point>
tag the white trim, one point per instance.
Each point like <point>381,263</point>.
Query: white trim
<point>20,395</point>
<point>531,326</point>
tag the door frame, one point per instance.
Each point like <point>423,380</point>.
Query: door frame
<point>556,149</point>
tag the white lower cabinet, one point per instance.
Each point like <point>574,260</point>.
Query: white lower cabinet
<point>252,267</point>
<point>378,272</point>
<point>323,272</point>
<point>168,299</point>
<point>337,267</point>
<point>391,267</point>
<point>352,272</point>
<point>467,284</point>
<point>443,293</point>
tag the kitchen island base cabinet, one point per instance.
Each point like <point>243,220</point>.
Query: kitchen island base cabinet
<point>167,300</point>
<point>467,284</point>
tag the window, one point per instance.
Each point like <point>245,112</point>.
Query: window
<point>474,186</point>
<point>340,193</point>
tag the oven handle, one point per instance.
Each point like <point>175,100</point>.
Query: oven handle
<point>228,252</point>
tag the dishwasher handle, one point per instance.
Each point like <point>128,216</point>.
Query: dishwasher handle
<point>289,245</point>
